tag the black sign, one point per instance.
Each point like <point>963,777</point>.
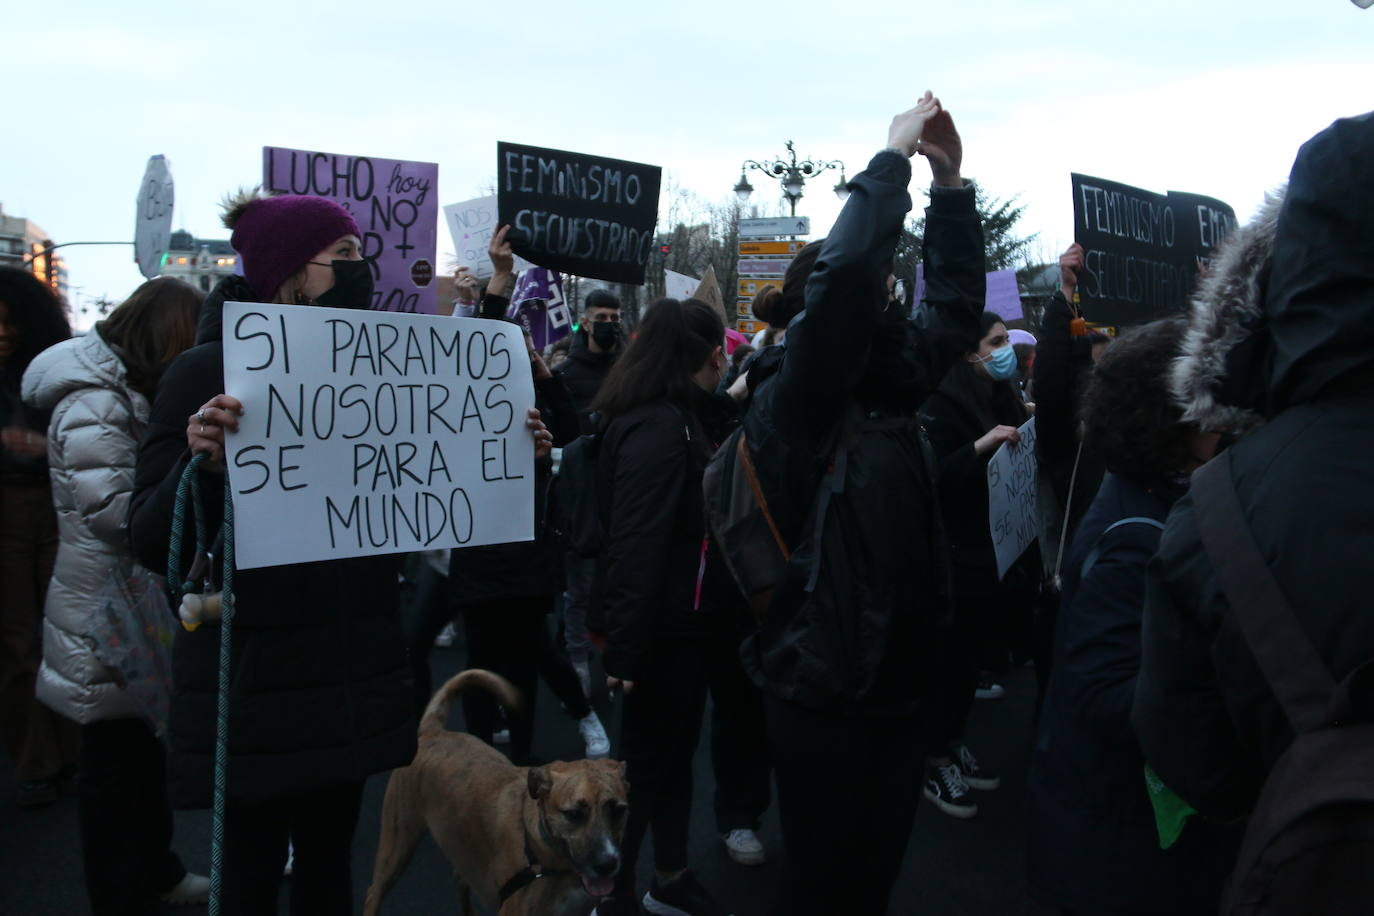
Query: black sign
<point>584,215</point>
<point>1142,250</point>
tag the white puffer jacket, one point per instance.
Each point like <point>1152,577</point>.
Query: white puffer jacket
<point>96,424</point>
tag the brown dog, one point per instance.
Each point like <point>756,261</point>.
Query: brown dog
<point>537,840</point>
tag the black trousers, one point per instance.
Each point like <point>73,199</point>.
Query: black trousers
<point>847,793</point>
<point>503,636</point>
<point>659,730</point>
<point>430,608</point>
<point>125,818</point>
<point>740,760</point>
<point>320,827</point>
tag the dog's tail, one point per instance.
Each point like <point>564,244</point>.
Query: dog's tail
<point>504,692</point>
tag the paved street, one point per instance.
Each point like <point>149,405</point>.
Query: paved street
<point>953,868</point>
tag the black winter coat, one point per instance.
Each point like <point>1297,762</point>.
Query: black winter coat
<point>1092,845</point>
<point>1303,357</point>
<point>525,569</point>
<point>855,622</point>
<point>582,374</point>
<point>321,692</point>
<point>954,425</point>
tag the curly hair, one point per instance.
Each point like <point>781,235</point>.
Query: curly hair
<point>1130,422</point>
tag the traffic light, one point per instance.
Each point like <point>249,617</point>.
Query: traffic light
<point>664,249</point>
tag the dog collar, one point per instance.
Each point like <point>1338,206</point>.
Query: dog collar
<point>526,876</point>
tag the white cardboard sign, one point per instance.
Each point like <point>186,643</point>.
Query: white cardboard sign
<point>153,221</point>
<point>370,432</point>
<point>679,286</point>
<point>473,223</point>
<point>1013,512</point>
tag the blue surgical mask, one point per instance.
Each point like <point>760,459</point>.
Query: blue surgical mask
<point>1001,363</point>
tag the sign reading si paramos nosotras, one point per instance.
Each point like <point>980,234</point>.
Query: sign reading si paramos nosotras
<point>370,433</point>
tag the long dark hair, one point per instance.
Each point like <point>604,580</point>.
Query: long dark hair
<point>151,327</point>
<point>37,316</point>
<point>993,402</point>
<point>673,341</point>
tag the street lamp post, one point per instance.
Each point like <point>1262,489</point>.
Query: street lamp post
<point>792,174</point>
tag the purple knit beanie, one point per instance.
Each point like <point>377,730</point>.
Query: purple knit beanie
<point>275,236</point>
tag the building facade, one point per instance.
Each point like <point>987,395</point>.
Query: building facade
<point>24,244</point>
<point>199,262</point>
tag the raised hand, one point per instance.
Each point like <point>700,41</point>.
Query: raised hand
<point>944,150</point>
<point>502,257</point>
<point>907,127</point>
<point>465,286</point>
<point>1070,266</point>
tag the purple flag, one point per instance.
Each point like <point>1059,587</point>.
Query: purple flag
<point>396,204</point>
<point>539,306</point>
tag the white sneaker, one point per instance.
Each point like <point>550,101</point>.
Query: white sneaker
<point>501,736</point>
<point>192,890</point>
<point>446,637</point>
<point>594,736</point>
<point>744,847</point>
<point>988,689</point>
<point>290,859</point>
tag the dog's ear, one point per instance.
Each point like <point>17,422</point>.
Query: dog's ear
<point>539,783</point>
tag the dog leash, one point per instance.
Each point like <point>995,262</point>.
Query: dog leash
<point>189,486</point>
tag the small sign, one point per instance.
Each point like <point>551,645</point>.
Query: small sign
<point>774,225</point>
<point>1013,512</point>
<point>422,273</point>
<point>679,286</point>
<point>774,248</point>
<point>472,224</point>
<point>752,286</point>
<point>749,327</point>
<point>744,308</point>
<point>153,221</point>
<point>709,292</point>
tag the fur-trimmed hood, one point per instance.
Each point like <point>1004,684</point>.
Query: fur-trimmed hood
<point>1286,313</point>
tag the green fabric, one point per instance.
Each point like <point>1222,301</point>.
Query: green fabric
<point>1171,812</point>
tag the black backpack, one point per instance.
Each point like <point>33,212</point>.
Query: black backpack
<point>1309,843</point>
<point>580,512</point>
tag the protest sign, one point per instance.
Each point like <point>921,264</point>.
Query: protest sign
<point>708,291</point>
<point>397,208</point>
<point>679,286</point>
<point>472,224</point>
<point>579,214</point>
<point>1141,249</point>
<point>369,433</point>
<point>1012,510</point>
<point>1003,296</point>
<point>153,220</point>
<point>539,306</point>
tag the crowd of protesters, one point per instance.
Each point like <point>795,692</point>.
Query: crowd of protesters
<point>1199,643</point>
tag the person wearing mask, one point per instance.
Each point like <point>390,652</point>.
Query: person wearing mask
<point>659,421</point>
<point>41,743</point>
<point>976,410</point>
<point>322,695</point>
<point>98,389</point>
<point>1280,350</point>
<point>853,629</point>
<point>595,347</point>
<point>1092,845</point>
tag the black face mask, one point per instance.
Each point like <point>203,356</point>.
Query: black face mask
<point>606,334</point>
<point>352,287</point>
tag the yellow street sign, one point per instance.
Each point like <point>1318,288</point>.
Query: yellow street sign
<point>770,247</point>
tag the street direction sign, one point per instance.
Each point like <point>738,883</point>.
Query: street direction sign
<point>763,267</point>
<point>750,286</point>
<point>774,248</point>
<point>774,226</point>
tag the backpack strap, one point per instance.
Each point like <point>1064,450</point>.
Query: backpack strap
<point>746,461</point>
<point>1288,659</point>
<point>1096,553</point>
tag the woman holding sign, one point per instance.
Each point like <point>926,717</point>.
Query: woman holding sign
<point>321,694</point>
<point>976,410</point>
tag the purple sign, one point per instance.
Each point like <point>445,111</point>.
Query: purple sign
<point>1003,295</point>
<point>538,305</point>
<point>396,205</point>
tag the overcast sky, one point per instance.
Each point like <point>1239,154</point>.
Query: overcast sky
<point>1210,96</point>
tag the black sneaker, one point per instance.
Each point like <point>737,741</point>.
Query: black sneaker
<point>681,897</point>
<point>977,777</point>
<point>619,905</point>
<point>946,789</point>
